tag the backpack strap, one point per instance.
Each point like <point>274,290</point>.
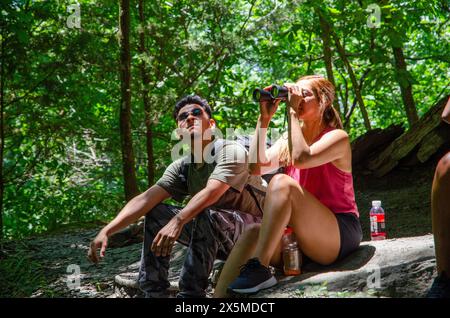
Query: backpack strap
<point>252,190</point>
<point>184,172</point>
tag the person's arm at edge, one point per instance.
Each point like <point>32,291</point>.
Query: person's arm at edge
<point>446,112</point>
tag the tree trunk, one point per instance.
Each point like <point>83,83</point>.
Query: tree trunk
<point>128,164</point>
<point>2,130</point>
<point>341,51</point>
<point>326,43</point>
<point>405,86</point>
<point>145,99</point>
<point>149,144</point>
<point>348,114</point>
<point>355,85</point>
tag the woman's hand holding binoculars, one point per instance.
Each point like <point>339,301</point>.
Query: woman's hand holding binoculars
<point>270,97</point>
<point>268,107</point>
<point>294,100</point>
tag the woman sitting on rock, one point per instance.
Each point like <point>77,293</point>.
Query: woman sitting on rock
<point>315,196</point>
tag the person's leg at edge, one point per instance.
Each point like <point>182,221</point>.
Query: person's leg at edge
<point>153,271</point>
<point>440,203</point>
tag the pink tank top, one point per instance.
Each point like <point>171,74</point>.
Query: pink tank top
<point>330,185</point>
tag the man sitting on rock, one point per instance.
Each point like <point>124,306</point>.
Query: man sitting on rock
<point>440,205</point>
<point>221,191</point>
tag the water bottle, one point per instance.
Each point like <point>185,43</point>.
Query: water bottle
<point>377,222</point>
<point>291,254</point>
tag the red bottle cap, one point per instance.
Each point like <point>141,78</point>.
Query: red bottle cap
<point>288,230</point>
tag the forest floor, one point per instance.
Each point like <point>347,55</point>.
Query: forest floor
<point>45,265</point>
<point>405,194</point>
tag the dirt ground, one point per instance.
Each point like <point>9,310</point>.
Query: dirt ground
<point>405,194</point>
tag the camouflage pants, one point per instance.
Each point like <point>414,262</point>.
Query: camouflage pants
<point>212,234</point>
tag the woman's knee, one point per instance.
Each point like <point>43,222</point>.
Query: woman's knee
<point>281,184</point>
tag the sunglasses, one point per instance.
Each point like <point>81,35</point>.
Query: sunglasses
<point>196,112</point>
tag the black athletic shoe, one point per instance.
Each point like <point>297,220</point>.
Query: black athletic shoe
<point>253,278</point>
<point>440,287</point>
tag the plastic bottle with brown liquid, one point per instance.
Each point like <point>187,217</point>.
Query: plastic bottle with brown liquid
<point>292,259</point>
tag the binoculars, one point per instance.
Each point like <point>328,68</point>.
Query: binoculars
<point>275,92</point>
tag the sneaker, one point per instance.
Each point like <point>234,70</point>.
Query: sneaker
<point>440,287</point>
<point>187,295</point>
<point>252,278</point>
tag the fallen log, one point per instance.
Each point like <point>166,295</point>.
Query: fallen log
<point>425,137</point>
<point>365,146</point>
<point>433,142</point>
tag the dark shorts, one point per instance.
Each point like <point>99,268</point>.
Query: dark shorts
<point>351,233</point>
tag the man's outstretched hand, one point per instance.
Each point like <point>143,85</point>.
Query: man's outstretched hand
<point>166,237</point>
<point>100,242</point>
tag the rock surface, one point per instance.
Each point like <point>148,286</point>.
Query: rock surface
<point>405,268</point>
<point>392,268</point>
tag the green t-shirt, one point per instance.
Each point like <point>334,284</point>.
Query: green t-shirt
<point>230,168</point>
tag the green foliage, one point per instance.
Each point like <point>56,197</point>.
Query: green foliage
<point>62,159</point>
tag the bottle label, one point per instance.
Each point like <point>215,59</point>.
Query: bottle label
<point>377,224</point>
<point>291,261</point>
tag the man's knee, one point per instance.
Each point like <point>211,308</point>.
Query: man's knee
<point>443,169</point>
<point>156,213</point>
<point>157,217</point>
<point>150,217</point>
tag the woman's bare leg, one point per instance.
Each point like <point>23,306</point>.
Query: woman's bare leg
<point>315,226</point>
<point>241,253</point>
<point>440,204</point>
